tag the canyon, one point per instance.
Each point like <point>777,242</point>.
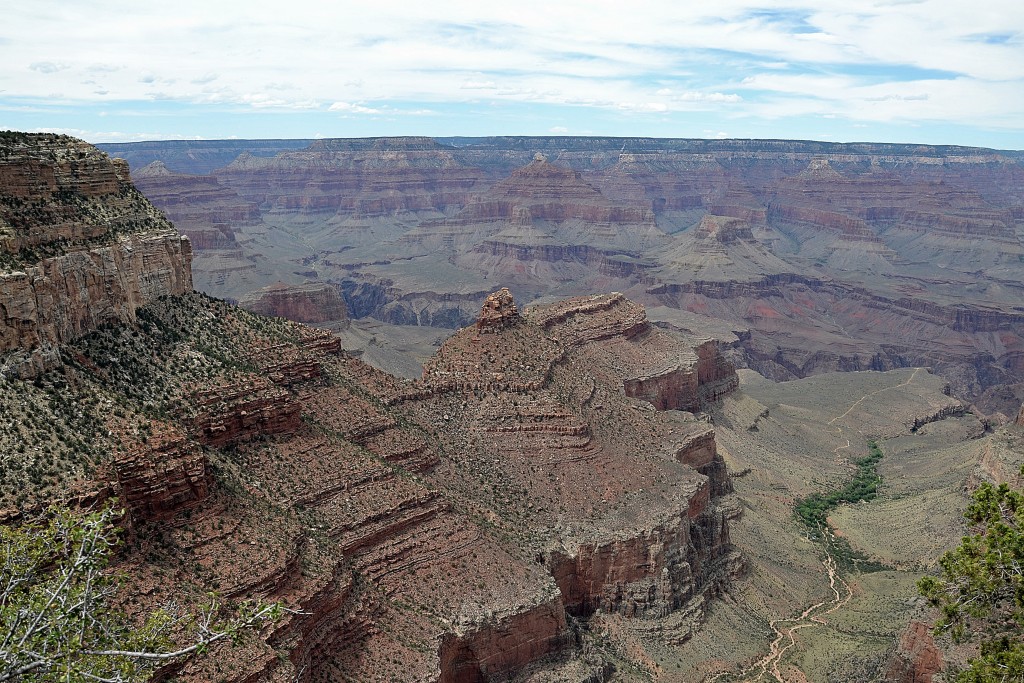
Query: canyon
<point>591,474</point>
<point>817,256</point>
<point>464,526</point>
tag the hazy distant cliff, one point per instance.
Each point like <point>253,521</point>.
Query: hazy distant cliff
<point>821,256</point>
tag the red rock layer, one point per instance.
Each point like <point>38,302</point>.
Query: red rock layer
<point>500,649</point>
<point>309,303</point>
<point>917,659</point>
<point>544,398</point>
<point>232,413</point>
<point>163,476</point>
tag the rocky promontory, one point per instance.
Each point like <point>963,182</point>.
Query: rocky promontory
<point>79,247</point>
<point>450,529</point>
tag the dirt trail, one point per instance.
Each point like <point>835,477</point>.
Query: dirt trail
<point>785,629</point>
<point>873,393</point>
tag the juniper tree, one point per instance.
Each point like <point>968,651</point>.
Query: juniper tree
<point>981,586</point>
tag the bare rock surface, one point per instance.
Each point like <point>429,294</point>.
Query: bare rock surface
<point>79,247</point>
<point>311,303</point>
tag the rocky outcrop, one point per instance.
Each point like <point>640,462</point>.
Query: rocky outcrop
<point>671,389</point>
<point>81,248</point>
<point>716,376</point>
<point>236,412</point>
<point>545,396</point>
<point>917,659</point>
<point>498,312</point>
<point>163,476</point>
<point>310,303</point>
<point>501,647</point>
<point>649,574</point>
<point>954,410</point>
<point>66,296</point>
<point>592,318</point>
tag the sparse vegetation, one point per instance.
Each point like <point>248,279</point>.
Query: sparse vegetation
<point>56,623</point>
<point>813,510</point>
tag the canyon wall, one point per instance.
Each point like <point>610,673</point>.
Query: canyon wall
<point>442,529</point>
<point>81,247</point>
<point>824,256</point>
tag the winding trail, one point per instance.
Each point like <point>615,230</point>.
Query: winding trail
<point>874,393</point>
<point>785,629</point>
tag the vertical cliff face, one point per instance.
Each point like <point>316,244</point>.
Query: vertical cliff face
<point>310,303</point>
<point>79,247</point>
<point>916,659</point>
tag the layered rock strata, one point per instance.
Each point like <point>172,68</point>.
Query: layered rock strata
<point>160,478</point>
<point>311,303</point>
<point>80,248</point>
<point>859,238</point>
<point>437,530</point>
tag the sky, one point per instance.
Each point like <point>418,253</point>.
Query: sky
<point>920,71</point>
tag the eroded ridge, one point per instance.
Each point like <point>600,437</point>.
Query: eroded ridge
<point>442,530</point>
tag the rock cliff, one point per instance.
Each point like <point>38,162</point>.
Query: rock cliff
<point>868,248</point>
<point>79,247</point>
<point>917,659</point>
<point>310,303</point>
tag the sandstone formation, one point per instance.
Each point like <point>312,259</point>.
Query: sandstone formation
<point>162,477</point>
<point>310,303</point>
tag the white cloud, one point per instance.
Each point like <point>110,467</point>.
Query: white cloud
<point>558,130</point>
<point>652,107</point>
<point>349,108</point>
<point>738,57</point>
<point>709,97</point>
<point>48,67</point>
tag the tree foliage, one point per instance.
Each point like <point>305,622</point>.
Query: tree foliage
<point>981,586</point>
<point>813,510</point>
<point>56,621</point>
